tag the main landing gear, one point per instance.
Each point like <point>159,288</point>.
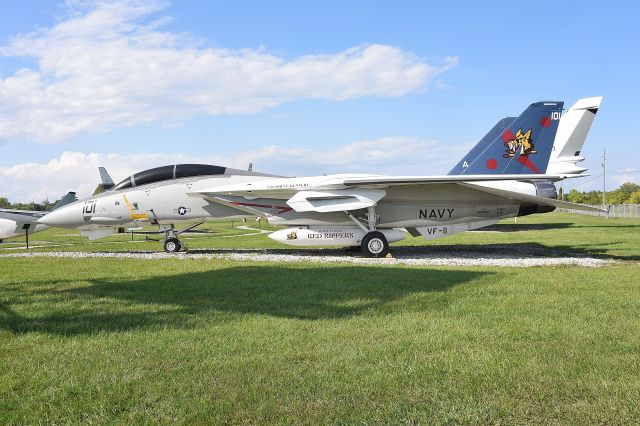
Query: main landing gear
<point>374,243</point>
<point>171,243</point>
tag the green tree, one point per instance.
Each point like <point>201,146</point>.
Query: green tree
<point>594,197</point>
<point>99,189</point>
<point>574,196</point>
<point>629,189</point>
<point>591,197</point>
<point>634,198</point>
<point>4,203</point>
<point>622,194</point>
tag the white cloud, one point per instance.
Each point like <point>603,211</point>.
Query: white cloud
<point>623,177</point>
<point>109,65</point>
<point>77,171</point>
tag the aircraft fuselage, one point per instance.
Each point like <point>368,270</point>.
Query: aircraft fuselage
<point>169,202</point>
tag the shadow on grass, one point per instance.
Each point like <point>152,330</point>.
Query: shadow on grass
<point>188,300</point>
<point>520,227</point>
<point>508,251</point>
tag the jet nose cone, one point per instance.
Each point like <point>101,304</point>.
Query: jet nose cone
<point>66,217</point>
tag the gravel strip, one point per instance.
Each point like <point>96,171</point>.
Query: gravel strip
<point>491,255</point>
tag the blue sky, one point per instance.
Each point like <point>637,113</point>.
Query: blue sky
<point>454,69</point>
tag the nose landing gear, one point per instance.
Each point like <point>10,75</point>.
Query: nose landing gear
<point>172,245</point>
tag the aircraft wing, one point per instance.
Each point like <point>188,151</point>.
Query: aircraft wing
<point>385,181</point>
<point>30,213</point>
<point>285,189</point>
<point>357,192</point>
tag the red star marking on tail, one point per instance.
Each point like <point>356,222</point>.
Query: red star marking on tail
<point>545,122</point>
<point>507,136</point>
<point>524,160</point>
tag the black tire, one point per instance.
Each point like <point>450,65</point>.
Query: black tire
<point>374,244</point>
<point>172,245</point>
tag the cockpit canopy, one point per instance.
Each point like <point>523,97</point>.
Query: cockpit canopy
<point>175,171</point>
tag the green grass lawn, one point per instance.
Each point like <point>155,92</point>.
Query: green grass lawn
<point>212,341</point>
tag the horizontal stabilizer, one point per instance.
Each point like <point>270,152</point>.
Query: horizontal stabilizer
<point>534,199</point>
<point>22,227</point>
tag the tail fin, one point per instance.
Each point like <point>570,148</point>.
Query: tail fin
<point>524,147</point>
<point>107,182</point>
<point>67,199</point>
<point>572,132</point>
<point>500,127</point>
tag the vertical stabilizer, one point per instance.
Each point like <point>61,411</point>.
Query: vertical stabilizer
<point>69,198</point>
<point>479,148</point>
<point>524,147</point>
<point>572,133</point>
<point>105,179</point>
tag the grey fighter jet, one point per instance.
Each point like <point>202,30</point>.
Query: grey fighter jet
<point>21,223</point>
<point>504,175</point>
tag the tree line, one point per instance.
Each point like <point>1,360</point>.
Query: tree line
<point>627,193</point>
<point>42,206</point>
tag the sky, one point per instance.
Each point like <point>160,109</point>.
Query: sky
<point>299,88</point>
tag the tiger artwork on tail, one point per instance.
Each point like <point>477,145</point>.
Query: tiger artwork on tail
<point>521,141</point>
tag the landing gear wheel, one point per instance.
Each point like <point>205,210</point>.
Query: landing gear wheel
<point>172,245</point>
<point>374,244</point>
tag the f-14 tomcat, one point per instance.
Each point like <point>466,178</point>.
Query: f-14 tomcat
<point>20,223</point>
<point>508,173</point>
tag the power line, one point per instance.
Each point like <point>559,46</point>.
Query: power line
<point>588,182</point>
<point>624,172</point>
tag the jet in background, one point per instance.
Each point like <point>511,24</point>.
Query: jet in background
<point>21,223</point>
<point>502,176</point>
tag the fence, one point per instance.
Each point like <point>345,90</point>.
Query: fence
<point>618,210</point>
